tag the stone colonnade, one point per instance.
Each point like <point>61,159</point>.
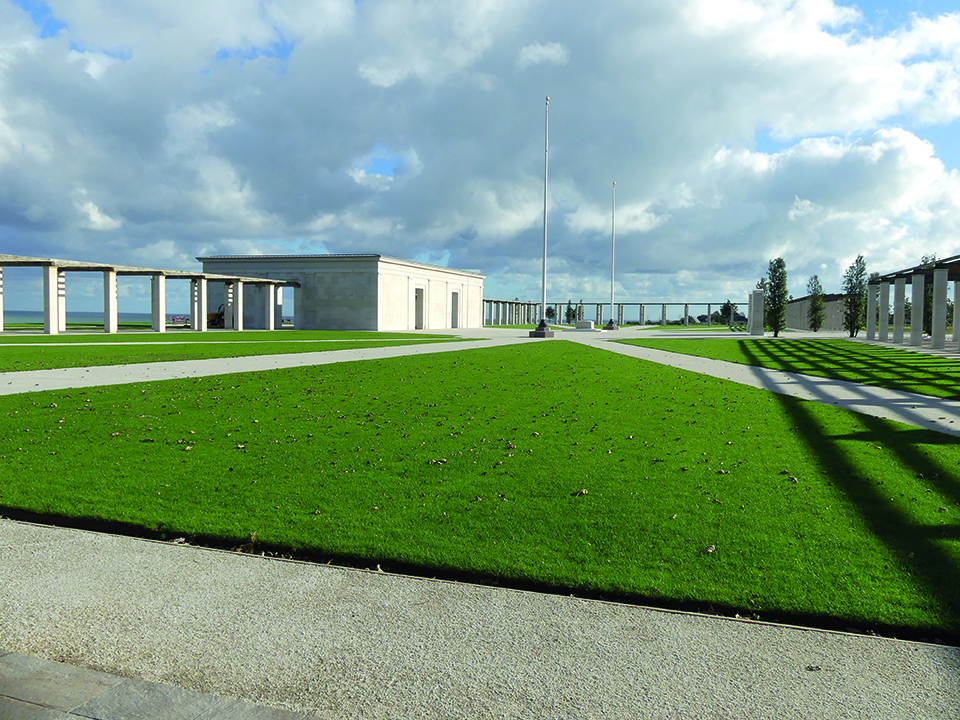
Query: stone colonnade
<point>516,312</point>
<point>878,309</point>
<point>55,294</point>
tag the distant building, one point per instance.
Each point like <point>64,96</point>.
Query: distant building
<point>798,317</point>
<point>353,292</point>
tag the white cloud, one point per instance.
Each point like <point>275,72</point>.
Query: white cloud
<point>552,53</point>
<point>736,130</point>
<point>94,219</point>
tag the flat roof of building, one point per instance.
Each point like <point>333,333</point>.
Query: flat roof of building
<point>83,266</point>
<point>343,256</point>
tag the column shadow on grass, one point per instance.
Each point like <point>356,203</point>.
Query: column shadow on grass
<point>818,357</point>
<point>933,569</point>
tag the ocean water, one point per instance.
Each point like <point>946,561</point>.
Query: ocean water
<point>11,317</point>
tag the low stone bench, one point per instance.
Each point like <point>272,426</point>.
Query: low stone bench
<point>584,324</point>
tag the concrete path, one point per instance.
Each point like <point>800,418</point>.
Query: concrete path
<point>342,643</point>
<point>165,630</point>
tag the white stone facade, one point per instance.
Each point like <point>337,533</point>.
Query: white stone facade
<point>357,292</point>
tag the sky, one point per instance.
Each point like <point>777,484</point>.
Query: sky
<point>737,131</point>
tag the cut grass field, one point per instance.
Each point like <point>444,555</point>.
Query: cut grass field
<point>549,465</point>
<point>877,365</point>
<point>44,352</point>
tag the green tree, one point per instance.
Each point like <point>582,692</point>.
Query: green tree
<point>777,292</point>
<point>855,290</point>
<point>551,313</point>
<point>817,309</point>
<point>570,314</point>
<point>728,313</point>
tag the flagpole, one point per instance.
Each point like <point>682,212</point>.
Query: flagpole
<point>612,325</point>
<point>543,330</point>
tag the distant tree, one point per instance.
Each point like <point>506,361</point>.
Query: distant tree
<point>728,312</point>
<point>777,292</point>
<point>817,308</point>
<point>551,313</point>
<point>570,314</point>
<point>855,290</point>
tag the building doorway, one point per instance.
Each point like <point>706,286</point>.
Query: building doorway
<point>455,310</point>
<point>418,309</point>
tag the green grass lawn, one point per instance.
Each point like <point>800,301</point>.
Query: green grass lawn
<point>43,352</point>
<point>877,365</point>
<point>550,465</point>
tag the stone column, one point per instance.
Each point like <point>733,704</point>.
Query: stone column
<point>884,311</point>
<point>755,310</point>
<point>871,312</point>
<point>643,315</point>
<point>62,299</point>
<point>201,324</point>
<point>269,303</point>
<point>899,298</point>
<point>709,314</point>
<point>1,299</point>
<point>278,309</point>
<point>663,314</point>
<point>238,306</point>
<point>158,303</point>
<point>956,310</point>
<point>110,324</point>
<point>938,326</point>
<point>916,310</point>
<point>686,314</point>
<point>51,301</point>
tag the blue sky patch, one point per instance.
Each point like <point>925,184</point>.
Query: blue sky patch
<point>280,49</point>
<point>42,17</point>
<point>382,161</point>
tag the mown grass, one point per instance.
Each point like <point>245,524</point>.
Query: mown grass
<point>877,365</point>
<point>552,464</point>
<point>87,351</point>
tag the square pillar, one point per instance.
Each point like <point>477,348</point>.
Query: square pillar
<point>51,300</point>
<point>899,299</point>
<point>278,309</point>
<point>110,323</point>
<point>62,299</point>
<point>198,304</point>
<point>1,299</point>
<point>686,314</point>
<point>956,310</point>
<point>663,314</point>
<point>884,311</point>
<point>158,303</point>
<point>709,314</point>
<point>238,306</point>
<point>916,310</point>
<point>269,306</point>
<point>229,292</point>
<point>938,326</point>
<point>871,312</point>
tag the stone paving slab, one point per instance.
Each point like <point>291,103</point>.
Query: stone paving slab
<point>33,688</point>
<point>344,643</point>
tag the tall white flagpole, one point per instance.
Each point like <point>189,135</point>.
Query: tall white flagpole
<point>543,330</point>
<point>612,325</point>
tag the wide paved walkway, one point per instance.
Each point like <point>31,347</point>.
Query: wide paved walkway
<point>164,630</point>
